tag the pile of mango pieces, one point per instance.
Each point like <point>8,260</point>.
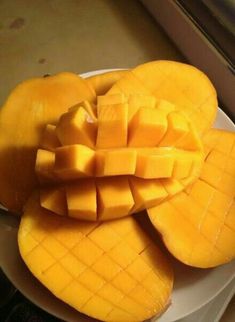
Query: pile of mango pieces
<point>81,160</point>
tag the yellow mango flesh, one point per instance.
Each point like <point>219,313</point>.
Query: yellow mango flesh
<point>103,82</point>
<point>74,161</point>
<point>81,200</point>
<point>205,210</point>
<point>30,106</point>
<point>110,207</point>
<point>111,271</point>
<point>114,197</point>
<point>139,100</point>
<point>147,127</point>
<point>112,119</point>
<point>77,126</point>
<point>90,108</point>
<point>49,140</point>
<point>180,84</point>
<point>44,167</point>
<point>54,199</point>
<point>114,99</point>
<point>107,165</point>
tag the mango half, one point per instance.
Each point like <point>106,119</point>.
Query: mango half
<point>111,271</point>
<point>181,84</point>
<point>198,224</point>
<point>117,158</point>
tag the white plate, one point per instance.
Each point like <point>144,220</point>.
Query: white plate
<point>193,287</point>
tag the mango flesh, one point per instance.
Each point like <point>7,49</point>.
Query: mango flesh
<point>205,210</point>
<point>111,271</point>
<point>77,126</point>
<point>103,82</point>
<point>49,140</point>
<point>113,197</point>
<point>29,108</point>
<point>183,85</point>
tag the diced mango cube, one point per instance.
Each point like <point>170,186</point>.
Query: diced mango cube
<point>177,128</point>
<point>165,106</point>
<point>44,166</point>
<point>139,100</point>
<point>54,199</point>
<point>89,107</point>
<point>81,199</point>
<point>49,140</point>
<point>147,192</point>
<point>112,126</point>
<point>74,161</point>
<point>77,127</point>
<point>190,141</point>
<point>154,165</point>
<point>172,186</point>
<point>115,162</point>
<point>113,99</point>
<point>114,197</point>
<point>147,127</point>
<point>183,164</point>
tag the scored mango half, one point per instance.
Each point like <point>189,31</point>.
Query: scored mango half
<point>109,160</point>
<point>30,106</point>
<point>198,224</point>
<point>181,84</point>
<point>111,271</point>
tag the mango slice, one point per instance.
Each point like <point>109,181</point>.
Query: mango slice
<point>77,126</point>
<point>111,271</point>
<point>103,82</point>
<point>49,140</point>
<point>30,107</point>
<point>54,199</point>
<point>205,210</point>
<point>181,84</point>
<point>44,167</point>
<point>81,200</point>
<point>74,161</point>
<point>112,119</point>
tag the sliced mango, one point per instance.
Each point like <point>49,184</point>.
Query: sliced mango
<point>114,197</point>
<point>206,235</point>
<point>139,100</point>
<point>177,128</point>
<point>118,98</point>
<point>101,83</point>
<point>115,162</point>
<point>49,140</point>
<point>74,161</point>
<point>183,85</point>
<point>147,193</point>
<point>147,127</point>
<point>95,267</point>
<point>81,200</point>
<point>112,157</point>
<point>77,127</point>
<point>54,199</point>
<point>90,108</point>
<point>44,167</point>
<point>112,126</point>
<point>154,164</point>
